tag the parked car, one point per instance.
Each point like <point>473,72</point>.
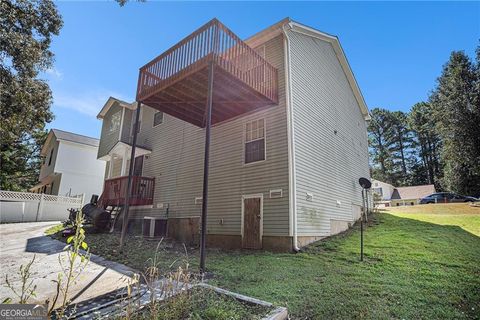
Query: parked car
<point>446,197</point>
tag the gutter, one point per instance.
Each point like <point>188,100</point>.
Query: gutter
<point>291,143</point>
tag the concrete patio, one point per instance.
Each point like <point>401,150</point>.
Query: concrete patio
<point>19,242</point>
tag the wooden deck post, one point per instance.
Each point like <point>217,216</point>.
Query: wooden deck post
<point>208,122</point>
<point>128,191</point>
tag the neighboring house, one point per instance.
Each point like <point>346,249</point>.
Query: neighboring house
<point>71,166</point>
<point>410,196</point>
<point>283,173</point>
<point>400,196</point>
<point>382,189</point>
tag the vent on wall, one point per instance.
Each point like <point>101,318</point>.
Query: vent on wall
<point>198,200</point>
<point>309,196</point>
<point>276,193</point>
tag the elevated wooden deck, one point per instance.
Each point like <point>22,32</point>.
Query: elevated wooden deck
<point>114,191</point>
<point>176,82</point>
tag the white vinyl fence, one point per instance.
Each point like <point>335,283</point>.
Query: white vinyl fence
<point>28,207</point>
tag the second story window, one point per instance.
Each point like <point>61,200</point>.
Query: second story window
<point>157,118</point>
<point>255,141</point>
<point>115,122</point>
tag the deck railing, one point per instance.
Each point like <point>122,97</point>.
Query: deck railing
<point>114,191</point>
<point>211,42</point>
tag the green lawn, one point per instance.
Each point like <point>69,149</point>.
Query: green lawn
<point>417,266</point>
<point>463,215</point>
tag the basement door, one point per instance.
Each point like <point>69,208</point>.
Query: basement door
<point>252,212</point>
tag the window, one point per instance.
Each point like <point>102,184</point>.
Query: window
<point>255,141</point>
<point>157,118</point>
<point>378,191</point>
<point>138,166</point>
<point>51,156</point>
<point>115,121</point>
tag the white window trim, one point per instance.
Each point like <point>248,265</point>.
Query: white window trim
<point>245,142</point>
<point>250,196</point>
<point>153,118</point>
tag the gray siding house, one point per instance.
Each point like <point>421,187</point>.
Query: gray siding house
<point>296,162</point>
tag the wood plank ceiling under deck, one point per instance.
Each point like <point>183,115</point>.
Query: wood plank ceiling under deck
<point>186,99</point>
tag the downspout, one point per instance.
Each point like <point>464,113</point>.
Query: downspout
<point>291,143</point>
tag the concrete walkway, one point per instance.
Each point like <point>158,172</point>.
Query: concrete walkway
<point>19,242</point>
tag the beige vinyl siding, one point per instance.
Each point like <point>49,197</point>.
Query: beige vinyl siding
<point>46,169</point>
<point>331,151</point>
<point>176,162</point>
<point>129,115</point>
<point>108,138</point>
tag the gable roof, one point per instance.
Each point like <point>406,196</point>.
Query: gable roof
<point>288,24</point>
<point>69,136</point>
<point>111,102</point>
<point>415,192</point>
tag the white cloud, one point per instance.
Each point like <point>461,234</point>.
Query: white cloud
<point>88,103</point>
<point>54,72</point>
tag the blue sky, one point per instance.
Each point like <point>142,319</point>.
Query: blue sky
<point>396,50</point>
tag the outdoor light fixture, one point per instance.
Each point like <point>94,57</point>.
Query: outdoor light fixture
<point>365,184</point>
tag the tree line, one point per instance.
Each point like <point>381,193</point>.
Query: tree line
<point>438,140</point>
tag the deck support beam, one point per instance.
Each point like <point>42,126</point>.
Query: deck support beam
<point>208,124</point>
<point>128,191</point>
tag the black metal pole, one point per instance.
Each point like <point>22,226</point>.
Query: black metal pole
<point>128,190</point>
<point>208,122</point>
<point>367,205</point>
<point>361,225</point>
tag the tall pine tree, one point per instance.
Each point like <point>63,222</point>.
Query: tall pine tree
<point>426,143</point>
<point>400,140</point>
<point>456,113</point>
<point>379,131</point>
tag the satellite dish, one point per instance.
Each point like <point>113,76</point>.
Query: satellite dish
<point>365,183</point>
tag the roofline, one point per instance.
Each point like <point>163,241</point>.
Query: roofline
<point>337,47</point>
<point>287,23</point>
<point>268,33</point>
<point>420,185</point>
<point>51,133</point>
<point>77,134</point>
<point>110,102</point>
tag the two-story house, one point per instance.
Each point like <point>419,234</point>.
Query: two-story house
<point>71,166</point>
<point>288,141</point>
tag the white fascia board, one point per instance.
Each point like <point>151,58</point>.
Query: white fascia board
<point>110,102</point>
